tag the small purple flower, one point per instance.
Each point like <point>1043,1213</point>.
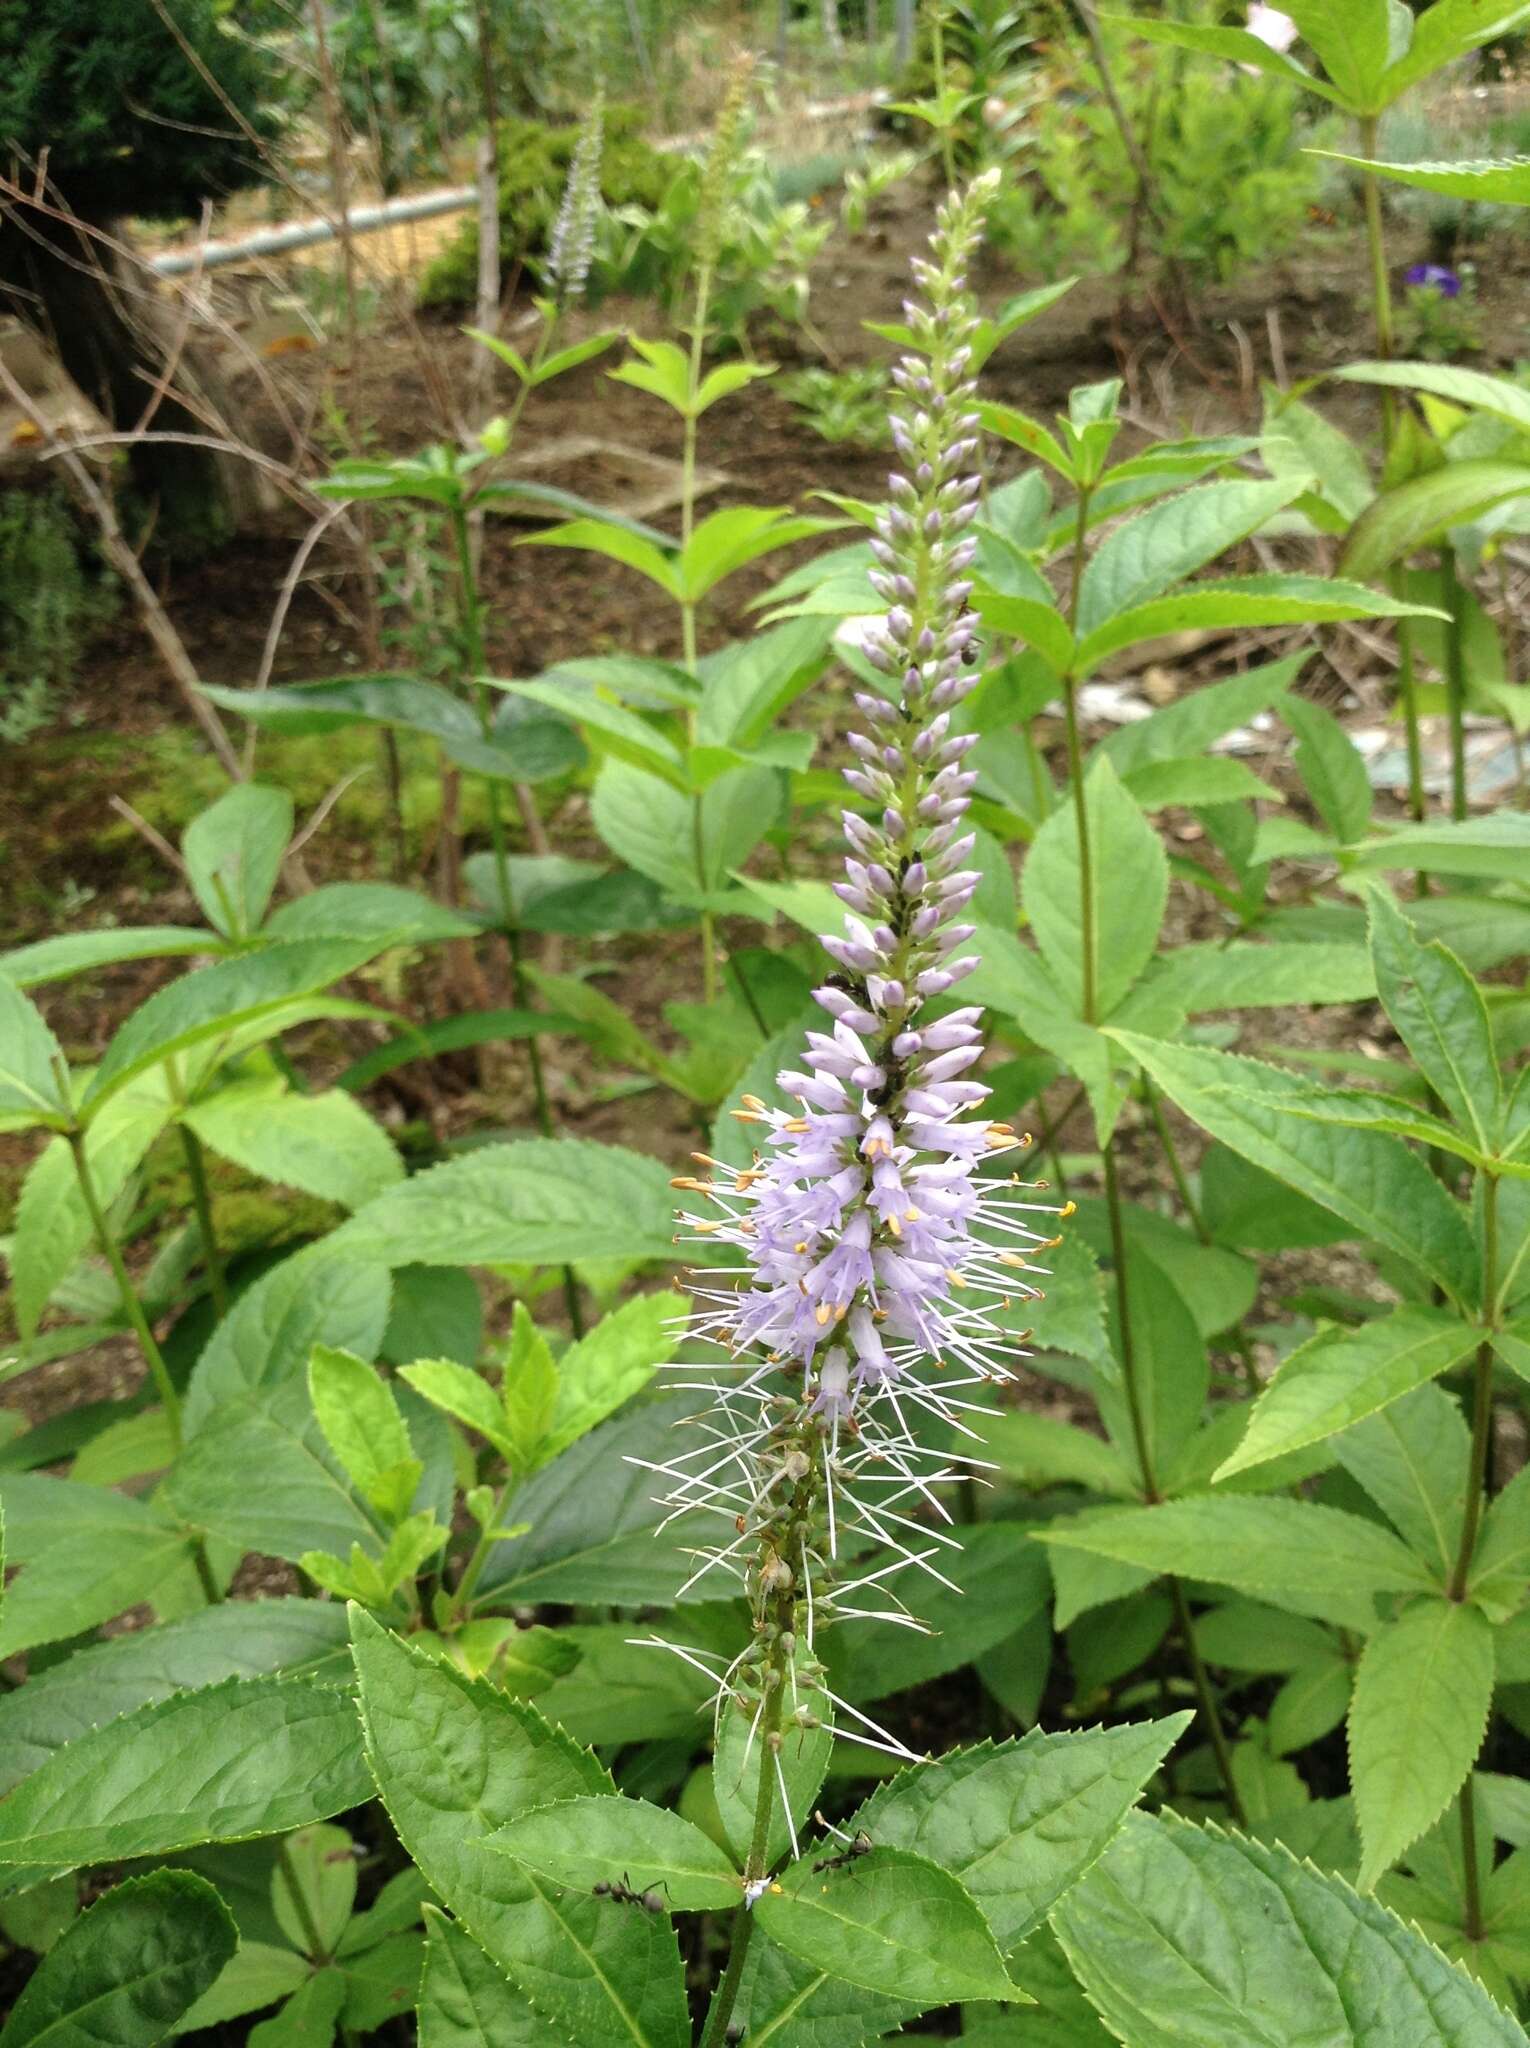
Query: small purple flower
<point>1434,277</point>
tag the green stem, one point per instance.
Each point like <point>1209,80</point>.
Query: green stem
<point>1375,235</point>
<point>688,606</point>
<point>196,1169</point>
<point>1087,939</point>
<point>1455,678</point>
<point>154,1358</point>
<point>938,63</point>
<point>317,1952</point>
<point>1048,1126</point>
<point>1482,1396</point>
<point>132,1306</point>
<point>1171,1154</point>
<point>1129,1383</point>
<point>472,635</point>
<point>1471,1916</point>
<point>726,1996</point>
<point>1407,682</point>
<point>1471,1520</point>
<point>472,1571</point>
<point>1207,1701</point>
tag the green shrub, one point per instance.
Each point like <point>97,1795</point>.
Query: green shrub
<point>1231,185</point>
<point>50,603</point>
<point>127,121</point>
<point>533,162</point>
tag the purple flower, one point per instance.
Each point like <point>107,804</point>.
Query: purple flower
<point>880,1247</point>
<point>1434,277</point>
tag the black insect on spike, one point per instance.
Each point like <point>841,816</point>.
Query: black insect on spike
<point>860,1844</point>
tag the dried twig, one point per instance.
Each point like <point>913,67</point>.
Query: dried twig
<point>114,545</point>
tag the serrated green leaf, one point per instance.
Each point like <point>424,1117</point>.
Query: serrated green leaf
<point>30,1063</point>
<point>596,537</point>
<point>308,2018</point>
<point>459,1391</point>
<point>314,1297</point>
<point>1147,553</point>
<point>1340,1376</point>
<point>1239,45</point>
<point>465,2000</point>
<point>1002,1581</point>
<point>1244,975</point>
<point>1158,1935</point>
<point>593,1839</point>
<point>314,1886</point>
<point>455,1761</point>
<point>894,1924</point>
<point>1018,1822</point>
<point>128,1968</point>
<point>325,1144</point>
<point>593,1513</point>
<point>535,1201</point>
<point>233,852</point>
<point>70,953</point>
<point>257,1976</point>
<point>785,2003</point>
<point>1125,925</point>
<point>261,991</point>
<point>85,1554</point>
<point>1240,601</point>
<point>1188,726</point>
<point>1409,1458</point>
<point>1291,1552</point>
<point>103,1681</point>
<point>610,1364</point>
<point>1368,1177</point>
<point>1483,180</point>
<point>1496,846</point>
<point>1417,512</point>
<point>1042,1450</point>
<point>251,1756</point>
<point>1416,1723</point>
<point>529,1391</point>
<point>1438,1012</point>
<point>1331,768</point>
<point>300,1503</point>
<point>362,1426</point>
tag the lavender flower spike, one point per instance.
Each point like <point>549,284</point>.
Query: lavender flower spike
<point>879,1239</point>
<point>571,243</point>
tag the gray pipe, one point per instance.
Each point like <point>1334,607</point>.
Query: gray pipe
<point>302,234</point>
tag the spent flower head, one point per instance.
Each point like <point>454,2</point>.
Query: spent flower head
<point>881,1239</point>
<point>571,243</point>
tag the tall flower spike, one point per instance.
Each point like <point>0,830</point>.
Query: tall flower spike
<point>571,244</point>
<point>880,1235</point>
<point>712,203</point>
